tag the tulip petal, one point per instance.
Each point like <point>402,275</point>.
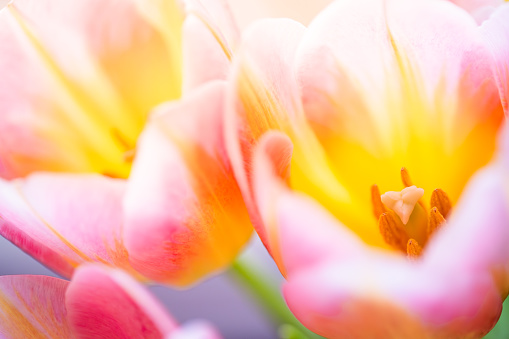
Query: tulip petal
<point>262,95</point>
<point>461,242</point>
<point>105,302</point>
<point>496,31</point>
<point>98,108</point>
<point>479,9</point>
<point>209,37</point>
<point>287,217</point>
<point>184,215</point>
<point>64,220</point>
<point>33,307</point>
<point>400,299</point>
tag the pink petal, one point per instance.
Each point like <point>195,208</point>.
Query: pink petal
<point>479,9</point>
<point>475,239</point>
<point>105,302</point>
<point>184,214</point>
<point>64,220</point>
<point>349,71</point>
<point>495,31</point>
<point>300,232</point>
<point>262,96</point>
<point>209,37</point>
<point>400,299</point>
<point>33,307</point>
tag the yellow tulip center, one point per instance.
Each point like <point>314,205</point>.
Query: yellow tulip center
<point>350,148</point>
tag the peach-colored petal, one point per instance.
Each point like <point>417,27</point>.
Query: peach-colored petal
<point>33,307</point>
<point>184,214</point>
<point>495,32</point>
<point>84,118</point>
<point>401,300</point>
<point>105,302</point>
<point>64,220</point>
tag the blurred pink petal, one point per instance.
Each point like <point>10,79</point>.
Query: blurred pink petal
<point>33,307</point>
<point>99,302</point>
<point>182,201</point>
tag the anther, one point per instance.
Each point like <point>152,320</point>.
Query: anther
<point>413,249</point>
<point>392,230</point>
<point>441,201</point>
<point>405,177</point>
<point>403,202</point>
<point>376,202</point>
<point>435,220</point>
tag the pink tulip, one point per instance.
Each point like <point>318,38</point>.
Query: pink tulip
<point>404,98</point>
<point>89,176</point>
<point>98,303</point>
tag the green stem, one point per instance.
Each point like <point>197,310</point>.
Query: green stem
<point>269,297</point>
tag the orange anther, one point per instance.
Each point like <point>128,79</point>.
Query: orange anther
<point>435,220</point>
<point>413,249</point>
<point>441,201</point>
<point>393,231</point>
<point>405,177</point>
<point>376,202</point>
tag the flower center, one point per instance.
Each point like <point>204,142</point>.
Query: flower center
<point>405,222</point>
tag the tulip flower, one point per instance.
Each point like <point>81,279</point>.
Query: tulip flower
<point>98,303</point>
<point>369,148</point>
<point>89,173</point>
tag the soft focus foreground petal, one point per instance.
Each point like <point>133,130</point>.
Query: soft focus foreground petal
<point>99,107</point>
<point>400,300</point>
<point>64,220</point>
<point>475,239</point>
<point>195,330</point>
<point>209,38</point>
<point>108,303</point>
<point>184,214</point>
<point>33,307</point>
<point>495,31</point>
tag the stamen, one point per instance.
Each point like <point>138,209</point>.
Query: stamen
<point>403,203</point>
<point>441,201</point>
<point>435,220</point>
<point>405,177</point>
<point>392,231</point>
<point>376,202</point>
<point>413,249</point>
